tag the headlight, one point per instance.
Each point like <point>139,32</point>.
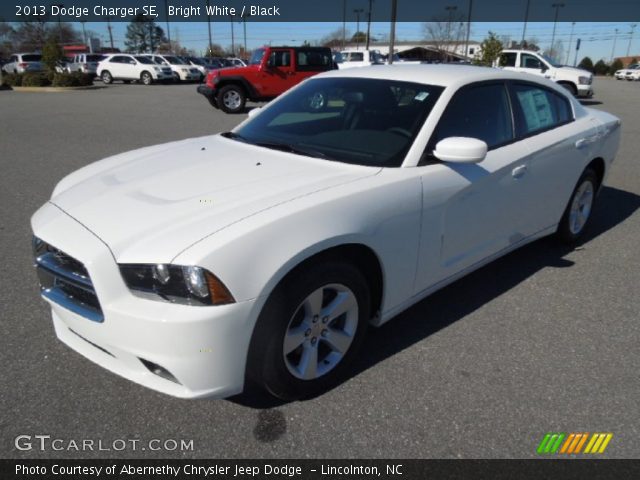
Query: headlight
<point>584,80</point>
<point>188,285</point>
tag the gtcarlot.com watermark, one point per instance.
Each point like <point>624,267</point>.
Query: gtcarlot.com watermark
<point>47,443</point>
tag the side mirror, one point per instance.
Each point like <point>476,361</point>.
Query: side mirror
<point>543,68</point>
<point>460,150</point>
<point>253,112</point>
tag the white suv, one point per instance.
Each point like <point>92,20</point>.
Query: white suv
<point>85,63</point>
<point>132,67</point>
<point>23,62</point>
<point>181,69</point>
<point>576,80</point>
<point>358,58</point>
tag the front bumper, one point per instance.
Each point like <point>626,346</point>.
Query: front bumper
<point>209,93</point>
<point>585,91</point>
<point>201,351</point>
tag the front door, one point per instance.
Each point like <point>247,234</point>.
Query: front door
<point>279,75</point>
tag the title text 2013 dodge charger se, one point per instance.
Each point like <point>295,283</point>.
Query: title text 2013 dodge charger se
<point>262,254</point>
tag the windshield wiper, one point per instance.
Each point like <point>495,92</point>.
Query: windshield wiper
<point>287,147</point>
<point>235,136</point>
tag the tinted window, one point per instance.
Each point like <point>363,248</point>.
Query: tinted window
<point>352,120</point>
<point>530,61</point>
<point>539,109</point>
<point>310,60</point>
<point>481,112</point>
<point>94,58</point>
<point>117,59</point>
<point>280,58</point>
<point>507,59</point>
<point>31,58</point>
<point>356,57</point>
<point>145,60</point>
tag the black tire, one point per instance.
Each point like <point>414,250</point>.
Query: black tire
<point>126,82</point>
<point>146,78</point>
<point>231,99</point>
<point>106,77</point>
<point>570,87</point>
<point>567,233</point>
<point>267,366</point>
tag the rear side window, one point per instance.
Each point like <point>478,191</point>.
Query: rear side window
<point>539,109</point>
<point>507,59</point>
<point>313,60</point>
<point>280,58</point>
<point>481,112</point>
<point>530,61</point>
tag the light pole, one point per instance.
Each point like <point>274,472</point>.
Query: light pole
<point>84,33</point>
<point>369,23</point>
<point>244,28</point>
<point>570,40</point>
<point>450,9</point>
<point>166,11</point>
<point>358,11</point>
<point>524,28</point>
<point>392,34</point>
<point>60,6</point>
<point>613,49</point>
<point>233,41</point>
<point>466,43</point>
<point>209,28</point>
<point>344,24</point>
<point>110,28</point>
<point>557,6</point>
<point>633,27</point>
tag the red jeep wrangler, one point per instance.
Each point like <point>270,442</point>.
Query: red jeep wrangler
<point>271,71</point>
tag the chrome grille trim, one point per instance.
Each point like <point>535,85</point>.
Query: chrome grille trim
<point>65,281</point>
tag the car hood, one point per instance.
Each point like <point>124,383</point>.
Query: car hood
<point>150,204</point>
<point>574,71</point>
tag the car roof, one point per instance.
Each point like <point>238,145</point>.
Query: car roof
<point>444,75</point>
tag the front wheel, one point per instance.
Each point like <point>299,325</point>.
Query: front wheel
<point>231,99</point>
<point>571,88</point>
<point>106,77</point>
<point>578,212</point>
<point>146,78</point>
<point>310,330</point>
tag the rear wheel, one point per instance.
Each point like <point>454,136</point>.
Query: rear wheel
<point>232,99</point>
<point>578,212</point>
<point>106,77</point>
<point>310,330</point>
<point>146,78</point>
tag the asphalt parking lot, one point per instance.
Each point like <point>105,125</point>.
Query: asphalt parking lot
<point>543,340</point>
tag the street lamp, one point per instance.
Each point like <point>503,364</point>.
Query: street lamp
<point>60,6</point>
<point>209,28</point>
<point>557,6</point>
<point>358,11</point>
<point>633,27</point>
<point>233,44</point>
<point>344,23</point>
<point>573,24</point>
<point>450,9</point>
<point>166,11</point>
<point>524,28</point>
<point>613,49</point>
<point>466,43</point>
<point>369,23</point>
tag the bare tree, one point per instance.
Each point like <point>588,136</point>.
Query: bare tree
<point>556,51</point>
<point>445,32</point>
<point>334,39</point>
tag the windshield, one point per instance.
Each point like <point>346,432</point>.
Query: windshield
<point>551,61</point>
<point>256,56</point>
<point>353,120</point>
<point>145,60</point>
<point>174,60</point>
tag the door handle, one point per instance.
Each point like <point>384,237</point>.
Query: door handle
<point>581,143</point>
<point>519,172</point>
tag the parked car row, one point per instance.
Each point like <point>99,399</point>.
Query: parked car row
<point>632,72</point>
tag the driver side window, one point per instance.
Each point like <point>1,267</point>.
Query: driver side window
<point>482,112</point>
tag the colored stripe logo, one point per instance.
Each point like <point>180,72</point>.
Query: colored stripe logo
<point>573,443</point>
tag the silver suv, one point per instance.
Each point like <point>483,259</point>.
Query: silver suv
<point>85,63</point>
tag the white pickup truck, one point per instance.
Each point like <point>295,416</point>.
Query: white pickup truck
<point>358,58</point>
<point>576,80</point>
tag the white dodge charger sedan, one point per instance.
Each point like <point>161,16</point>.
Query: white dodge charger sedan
<point>262,254</point>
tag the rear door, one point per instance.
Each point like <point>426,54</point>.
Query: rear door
<point>559,147</point>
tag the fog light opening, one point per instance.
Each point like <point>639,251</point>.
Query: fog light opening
<point>159,371</point>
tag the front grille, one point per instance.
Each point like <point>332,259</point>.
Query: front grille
<point>65,281</point>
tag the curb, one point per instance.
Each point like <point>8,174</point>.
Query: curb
<point>54,89</point>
